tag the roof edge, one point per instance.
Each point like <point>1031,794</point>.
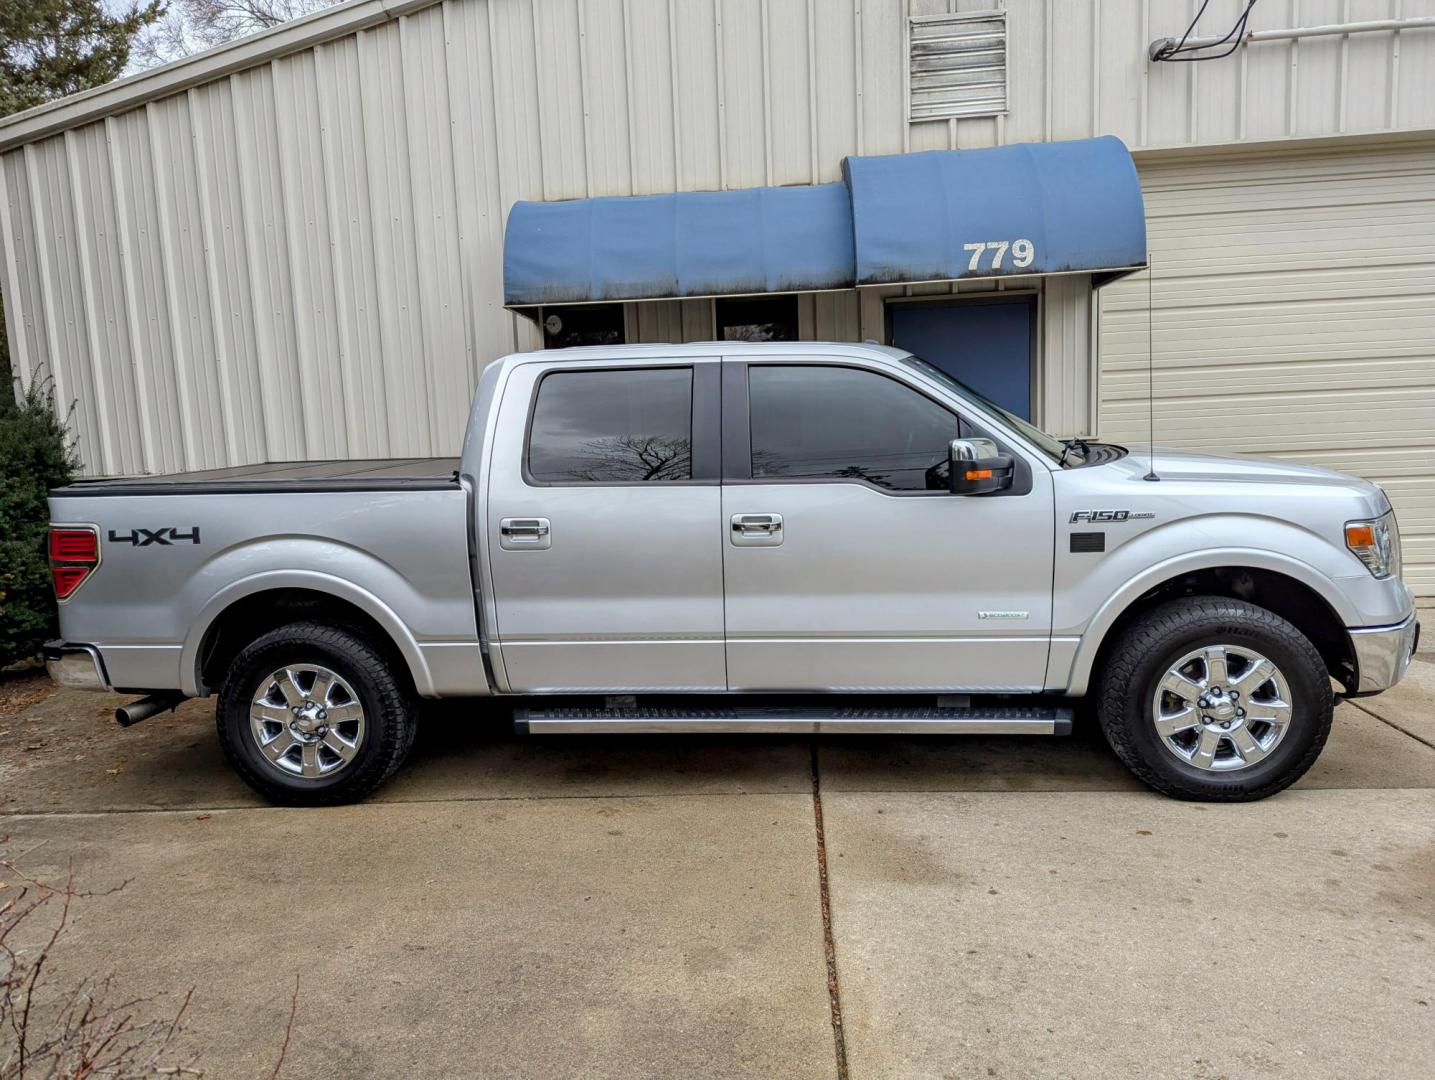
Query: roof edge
<point>136,90</point>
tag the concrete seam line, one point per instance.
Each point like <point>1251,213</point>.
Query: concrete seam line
<point>829,942</point>
<point>265,807</point>
<point>1389,723</point>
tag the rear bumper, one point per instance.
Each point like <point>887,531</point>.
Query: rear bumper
<point>77,667</point>
<point>1383,653</point>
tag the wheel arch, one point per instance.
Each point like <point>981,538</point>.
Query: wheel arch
<point>1289,588</point>
<point>247,609</point>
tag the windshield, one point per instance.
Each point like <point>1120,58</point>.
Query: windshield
<point>1053,448</point>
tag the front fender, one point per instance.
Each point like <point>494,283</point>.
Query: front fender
<point>1078,676</point>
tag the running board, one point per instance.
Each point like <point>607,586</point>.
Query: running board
<point>1001,720</point>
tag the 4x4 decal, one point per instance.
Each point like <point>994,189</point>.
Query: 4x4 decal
<point>165,535</point>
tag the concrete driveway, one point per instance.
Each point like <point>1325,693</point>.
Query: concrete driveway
<point>633,907</point>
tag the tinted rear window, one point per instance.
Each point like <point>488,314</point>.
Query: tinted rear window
<point>612,426</point>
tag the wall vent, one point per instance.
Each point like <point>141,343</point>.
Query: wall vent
<point>956,65</point>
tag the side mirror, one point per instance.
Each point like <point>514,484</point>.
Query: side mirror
<point>976,467</point>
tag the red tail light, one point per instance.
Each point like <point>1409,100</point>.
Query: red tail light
<point>74,545</point>
<point>74,553</point>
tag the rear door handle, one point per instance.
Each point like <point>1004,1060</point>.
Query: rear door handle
<point>520,534</point>
<point>756,530</point>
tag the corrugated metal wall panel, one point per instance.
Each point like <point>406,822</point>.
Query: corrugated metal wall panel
<point>1294,316</point>
<point>789,93</point>
<point>453,369</point>
<point>560,98</point>
<point>834,36</point>
<point>262,235</point>
<point>877,63</point>
<point>698,86</point>
<point>205,414</point>
<point>305,198</point>
<point>409,397</point>
<point>146,292</point>
<point>603,49</point>
<point>478,185</point>
<point>1064,390</point>
<point>746,114</point>
<point>361,354</point>
<point>24,285</point>
<point>106,332</point>
<point>651,74</point>
<point>321,235</point>
<point>62,298</point>
<point>227,271</point>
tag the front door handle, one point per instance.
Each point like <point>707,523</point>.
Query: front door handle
<point>756,530</point>
<point>519,534</point>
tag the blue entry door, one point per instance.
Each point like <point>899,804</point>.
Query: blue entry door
<point>987,344</point>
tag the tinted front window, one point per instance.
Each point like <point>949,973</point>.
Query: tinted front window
<point>814,421</point>
<point>607,426</point>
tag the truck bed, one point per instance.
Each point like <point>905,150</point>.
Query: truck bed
<point>377,474</point>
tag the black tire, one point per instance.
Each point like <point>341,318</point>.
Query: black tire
<point>388,708</point>
<point>1143,653</point>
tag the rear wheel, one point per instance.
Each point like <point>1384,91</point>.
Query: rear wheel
<point>1215,699</point>
<point>312,715</point>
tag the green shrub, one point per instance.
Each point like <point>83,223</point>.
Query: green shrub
<point>36,454</point>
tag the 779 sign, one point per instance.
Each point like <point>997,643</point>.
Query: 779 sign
<point>994,253</point>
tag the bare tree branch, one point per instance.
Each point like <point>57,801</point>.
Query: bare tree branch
<point>76,1032</point>
<point>191,26</point>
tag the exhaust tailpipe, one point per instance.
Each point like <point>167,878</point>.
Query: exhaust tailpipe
<point>145,707</point>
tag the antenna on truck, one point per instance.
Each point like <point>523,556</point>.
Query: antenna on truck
<point>1150,371</point>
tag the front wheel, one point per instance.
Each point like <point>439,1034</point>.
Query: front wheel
<point>1214,699</point>
<point>313,715</point>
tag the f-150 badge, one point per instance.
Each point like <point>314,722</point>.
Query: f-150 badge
<point>1109,515</point>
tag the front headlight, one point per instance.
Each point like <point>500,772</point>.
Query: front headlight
<point>1376,544</point>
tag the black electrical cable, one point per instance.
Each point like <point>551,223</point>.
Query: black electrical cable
<point>1181,47</point>
<point>1200,52</point>
<point>1182,43</point>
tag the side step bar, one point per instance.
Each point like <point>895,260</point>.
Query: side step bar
<point>1002,720</point>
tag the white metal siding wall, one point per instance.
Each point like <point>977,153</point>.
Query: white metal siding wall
<point>303,258</point>
<point>1294,316</point>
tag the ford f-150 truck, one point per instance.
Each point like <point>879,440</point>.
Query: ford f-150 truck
<point>741,537</point>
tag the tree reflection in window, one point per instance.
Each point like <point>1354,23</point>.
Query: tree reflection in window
<point>632,459</point>
<point>612,426</point>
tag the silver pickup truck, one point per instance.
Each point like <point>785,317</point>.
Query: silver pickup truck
<point>832,537</point>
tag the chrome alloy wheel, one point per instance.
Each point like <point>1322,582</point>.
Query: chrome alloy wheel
<point>1222,708</point>
<point>307,721</point>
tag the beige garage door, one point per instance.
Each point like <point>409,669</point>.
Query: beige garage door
<point>1294,316</point>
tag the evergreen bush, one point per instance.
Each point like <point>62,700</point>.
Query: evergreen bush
<point>36,454</point>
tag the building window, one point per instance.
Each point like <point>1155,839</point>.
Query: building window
<point>612,427</point>
<point>583,324</point>
<point>956,65</point>
<point>760,318</point>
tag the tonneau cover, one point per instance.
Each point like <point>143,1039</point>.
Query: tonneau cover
<point>382,474</point>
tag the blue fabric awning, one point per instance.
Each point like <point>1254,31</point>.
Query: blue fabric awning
<point>1017,210</point>
<point>1032,208</point>
<point>700,243</point>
